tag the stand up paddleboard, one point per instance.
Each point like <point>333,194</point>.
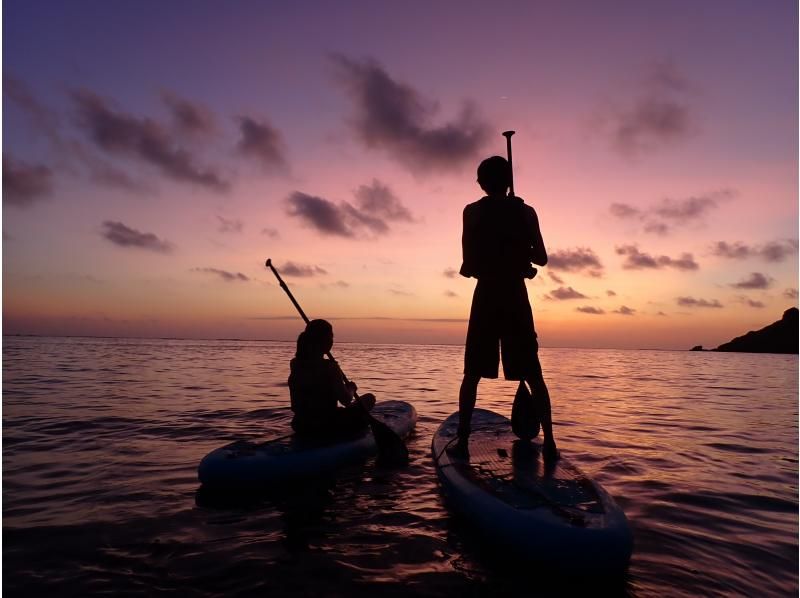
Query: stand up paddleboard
<point>549,514</point>
<point>248,463</point>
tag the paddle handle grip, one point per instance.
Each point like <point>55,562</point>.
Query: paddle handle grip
<point>507,135</point>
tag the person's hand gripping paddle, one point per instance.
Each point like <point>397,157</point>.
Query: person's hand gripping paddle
<point>525,419</point>
<point>392,451</point>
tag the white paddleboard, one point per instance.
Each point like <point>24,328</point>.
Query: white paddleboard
<point>249,463</point>
<point>552,515</point>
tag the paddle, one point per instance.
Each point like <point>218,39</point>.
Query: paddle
<point>524,417</point>
<point>392,451</point>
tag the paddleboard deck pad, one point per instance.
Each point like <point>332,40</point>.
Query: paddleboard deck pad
<point>251,463</point>
<point>548,513</point>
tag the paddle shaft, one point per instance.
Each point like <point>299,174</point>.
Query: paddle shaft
<point>507,135</point>
<point>304,316</point>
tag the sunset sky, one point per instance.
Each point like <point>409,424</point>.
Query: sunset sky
<point>156,153</point>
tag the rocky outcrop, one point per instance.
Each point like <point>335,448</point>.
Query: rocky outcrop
<point>778,337</point>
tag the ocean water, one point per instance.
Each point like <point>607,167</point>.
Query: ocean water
<point>102,437</point>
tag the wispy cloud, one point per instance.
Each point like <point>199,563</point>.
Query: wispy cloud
<point>189,117</point>
<point>450,294</point>
<point>69,154</point>
<point>692,302</point>
<point>321,214</point>
<point>662,217</point>
<point>44,119</point>
<point>658,115</point>
<point>611,293</point>
<point>224,274</point>
<point>757,280</point>
<point>378,201</point>
<point>23,183</point>
<point>450,273</point>
<point>229,226</point>
<point>272,233</point>
<point>565,293</point>
<point>394,117</point>
<point>262,142</point>
<point>376,206</point>
<point>124,236</point>
<point>625,310</point>
<point>750,302</point>
<point>587,309</point>
<point>581,259</point>
<point>555,277</point>
<point>302,270</point>
<point>773,251</point>
<point>790,293</point>
<point>637,260</point>
<point>141,138</point>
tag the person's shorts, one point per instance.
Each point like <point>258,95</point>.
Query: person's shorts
<point>501,322</point>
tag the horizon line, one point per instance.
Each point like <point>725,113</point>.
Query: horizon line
<point>340,342</point>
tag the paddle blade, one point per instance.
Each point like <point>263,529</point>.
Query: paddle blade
<point>392,451</point>
<point>525,420</point>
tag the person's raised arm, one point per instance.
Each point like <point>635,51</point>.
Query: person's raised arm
<point>467,245</point>
<point>538,251</point>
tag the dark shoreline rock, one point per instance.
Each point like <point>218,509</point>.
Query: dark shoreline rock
<point>778,337</point>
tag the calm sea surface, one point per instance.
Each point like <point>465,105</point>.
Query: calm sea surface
<point>102,437</point>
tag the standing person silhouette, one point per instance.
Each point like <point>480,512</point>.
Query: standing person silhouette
<point>500,239</point>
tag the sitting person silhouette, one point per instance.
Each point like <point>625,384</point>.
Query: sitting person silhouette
<point>317,386</point>
<point>501,238</point>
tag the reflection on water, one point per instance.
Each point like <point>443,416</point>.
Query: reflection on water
<point>102,437</point>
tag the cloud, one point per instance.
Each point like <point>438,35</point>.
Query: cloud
<point>272,233</point>
<point>636,260</point>
<point>224,274</point>
<point>261,141</point>
<point>624,210</point>
<point>756,281</point>
<point>394,117</point>
<point>320,213</point>
<point>301,270</point>
<point>611,293</point>
<point>576,260</point>
<point>378,201</point>
<point>450,294</point>
<point>660,218</point>
<point>790,293</point>
<point>41,117</point>
<point>450,273</point>
<point>376,206</point>
<point>189,117</point>
<point>658,116</point>
<point>141,138</point>
<point>564,293</point>
<point>401,293</point>
<point>773,251</point>
<point>555,277</point>
<point>625,311</point>
<point>124,236</point>
<point>692,302</point>
<point>750,302</point>
<point>23,183</point>
<point>229,226</point>
<point>586,309</point>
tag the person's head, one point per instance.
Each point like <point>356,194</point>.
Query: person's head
<point>316,339</point>
<point>494,175</point>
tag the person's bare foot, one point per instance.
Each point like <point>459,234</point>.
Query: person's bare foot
<point>460,450</point>
<point>550,451</point>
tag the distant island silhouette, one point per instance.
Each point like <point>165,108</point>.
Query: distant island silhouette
<point>778,337</point>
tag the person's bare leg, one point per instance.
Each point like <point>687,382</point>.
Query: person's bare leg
<point>542,397</point>
<point>467,396</point>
